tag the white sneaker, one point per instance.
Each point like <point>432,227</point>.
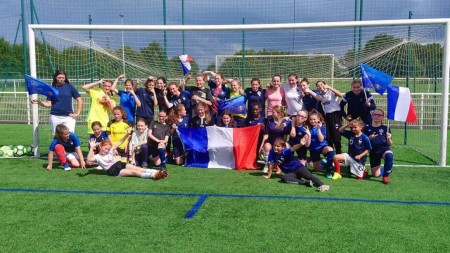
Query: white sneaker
<point>67,169</point>
<point>323,188</point>
<point>266,169</point>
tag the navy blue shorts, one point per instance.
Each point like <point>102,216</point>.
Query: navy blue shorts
<point>178,149</point>
<point>315,155</point>
<point>376,156</point>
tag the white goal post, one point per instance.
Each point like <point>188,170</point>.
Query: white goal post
<point>445,23</point>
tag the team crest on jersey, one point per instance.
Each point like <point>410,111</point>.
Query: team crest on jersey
<point>381,131</point>
<point>259,93</point>
<point>280,160</point>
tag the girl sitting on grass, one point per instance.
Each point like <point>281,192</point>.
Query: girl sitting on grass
<point>294,171</point>
<point>108,162</point>
<point>66,145</point>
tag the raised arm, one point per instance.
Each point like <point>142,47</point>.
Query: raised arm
<point>343,127</point>
<point>337,92</point>
<point>116,81</point>
<point>136,98</point>
<point>88,86</point>
<point>184,81</point>
<point>302,143</point>
<point>313,94</point>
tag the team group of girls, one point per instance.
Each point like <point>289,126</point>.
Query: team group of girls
<point>297,119</point>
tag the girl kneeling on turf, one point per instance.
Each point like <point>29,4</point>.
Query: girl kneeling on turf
<point>358,148</point>
<point>381,140</point>
<point>66,145</point>
<point>108,162</point>
<point>294,171</point>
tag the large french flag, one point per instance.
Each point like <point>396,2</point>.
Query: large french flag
<point>400,104</point>
<point>220,147</point>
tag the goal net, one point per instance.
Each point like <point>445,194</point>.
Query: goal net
<point>412,51</point>
<point>312,66</point>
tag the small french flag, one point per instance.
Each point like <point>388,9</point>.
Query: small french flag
<point>400,104</point>
<point>185,61</point>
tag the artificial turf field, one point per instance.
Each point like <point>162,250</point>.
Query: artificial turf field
<point>215,210</point>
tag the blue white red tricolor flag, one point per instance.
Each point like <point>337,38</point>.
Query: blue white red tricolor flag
<point>220,147</point>
<point>235,105</point>
<point>185,61</point>
<point>375,79</point>
<point>400,104</point>
<point>36,86</point>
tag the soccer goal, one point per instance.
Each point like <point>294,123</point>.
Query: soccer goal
<point>410,50</point>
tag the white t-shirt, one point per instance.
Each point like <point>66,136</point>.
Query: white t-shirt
<point>293,97</point>
<point>105,161</point>
<point>330,102</point>
<point>137,138</point>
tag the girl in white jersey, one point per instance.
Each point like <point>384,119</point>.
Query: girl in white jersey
<point>108,162</point>
<point>333,117</point>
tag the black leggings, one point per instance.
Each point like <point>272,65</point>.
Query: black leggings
<point>297,177</point>
<point>334,122</point>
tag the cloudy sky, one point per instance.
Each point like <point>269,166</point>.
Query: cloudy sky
<point>212,12</point>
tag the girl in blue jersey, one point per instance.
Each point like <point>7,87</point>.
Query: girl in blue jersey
<point>203,117</point>
<point>359,103</point>
<point>294,171</point>
<point>279,125</point>
<point>255,95</point>
<point>160,88</point>
<point>298,131</point>
<point>177,97</point>
<point>128,98</point>
<point>61,109</point>
<point>311,98</point>
<point>256,118</point>
<point>227,120</point>
<point>358,148</point>
<point>148,99</point>
<point>219,92</point>
<point>381,139</point>
<point>318,145</point>
<point>66,145</point>
<point>178,118</point>
<point>98,134</point>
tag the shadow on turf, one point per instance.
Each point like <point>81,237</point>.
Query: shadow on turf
<point>260,174</point>
<point>89,172</point>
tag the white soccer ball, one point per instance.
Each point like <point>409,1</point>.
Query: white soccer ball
<point>30,150</point>
<point>8,153</point>
<point>4,148</point>
<point>19,150</point>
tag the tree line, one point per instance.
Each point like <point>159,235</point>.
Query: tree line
<point>401,60</point>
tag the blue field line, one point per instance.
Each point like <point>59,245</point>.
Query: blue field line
<point>191,213</point>
<point>243,196</point>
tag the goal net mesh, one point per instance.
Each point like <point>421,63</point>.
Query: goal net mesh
<point>411,54</point>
